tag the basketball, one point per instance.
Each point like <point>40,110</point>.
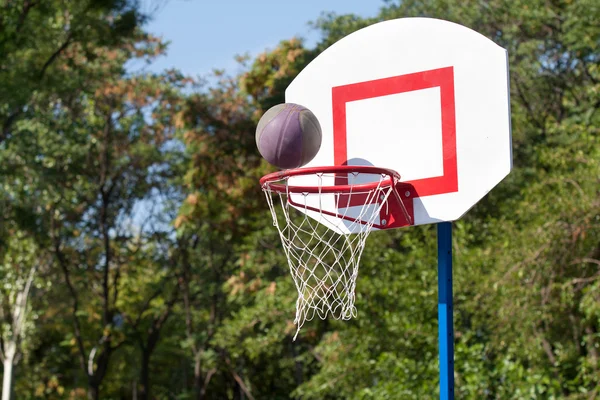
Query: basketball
<point>288,136</point>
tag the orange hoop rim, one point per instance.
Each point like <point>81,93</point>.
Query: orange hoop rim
<point>269,181</point>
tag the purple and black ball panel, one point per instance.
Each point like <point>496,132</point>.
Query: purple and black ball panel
<point>288,136</point>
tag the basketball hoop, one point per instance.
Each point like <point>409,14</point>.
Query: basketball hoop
<point>323,248</point>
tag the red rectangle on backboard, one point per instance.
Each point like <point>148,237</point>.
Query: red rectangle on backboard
<point>442,78</point>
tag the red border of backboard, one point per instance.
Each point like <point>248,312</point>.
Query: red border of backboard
<point>442,78</point>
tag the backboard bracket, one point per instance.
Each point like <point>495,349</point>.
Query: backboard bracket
<point>400,210</point>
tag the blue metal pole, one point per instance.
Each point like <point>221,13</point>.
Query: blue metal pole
<point>445,308</point>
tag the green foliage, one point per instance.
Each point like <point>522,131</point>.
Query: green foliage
<point>191,297</point>
<point>46,47</point>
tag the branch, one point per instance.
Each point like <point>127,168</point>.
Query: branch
<point>183,282</point>
<point>26,7</point>
<point>523,262</point>
<point>21,22</point>
<point>158,323</point>
<point>116,283</point>
<point>21,306</point>
<point>106,313</point>
<point>63,264</point>
<point>530,110</point>
<point>104,358</point>
<point>239,380</point>
<point>18,358</point>
<point>113,180</point>
<point>548,350</point>
<point>8,123</point>
<point>586,260</point>
<point>104,155</point>
<point>55,55</point>
<point>547,347</point>
<point>584,280</point>
<point>145,307</point>
<point>588,74</point>
<point>209,375</point>
<point>90,366</point>
<point>592,347</point>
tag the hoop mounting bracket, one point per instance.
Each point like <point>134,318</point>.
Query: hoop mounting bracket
<point>400,209</point>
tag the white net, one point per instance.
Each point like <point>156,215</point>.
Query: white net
<point>324,243</point>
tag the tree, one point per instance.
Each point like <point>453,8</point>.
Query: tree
<point>98,155</point>
<point>39,42</point>
<point>149,295</point>
<point>136,202</point>
<point>554,78</point>
<point>525,252</point>
<point>39,39</point>
<point>124,161</point>
<point>215,216</point>
<point>225,291</point>
<point>18,274</point>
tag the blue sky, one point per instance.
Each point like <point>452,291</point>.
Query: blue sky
<point>205,35</point>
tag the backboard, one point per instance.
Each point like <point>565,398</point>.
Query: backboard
<point>424,97</point>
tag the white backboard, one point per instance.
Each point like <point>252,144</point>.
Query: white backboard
<point>425,97</point>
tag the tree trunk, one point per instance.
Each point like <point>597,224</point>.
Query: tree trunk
<point>10,350</point>
<point>198,382</point>
<point>150,345</point>
<point>144,376</point>
<point>197,379</point>
<point>7,381</point>
<point>298,371</point>
<point>93,392</point>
